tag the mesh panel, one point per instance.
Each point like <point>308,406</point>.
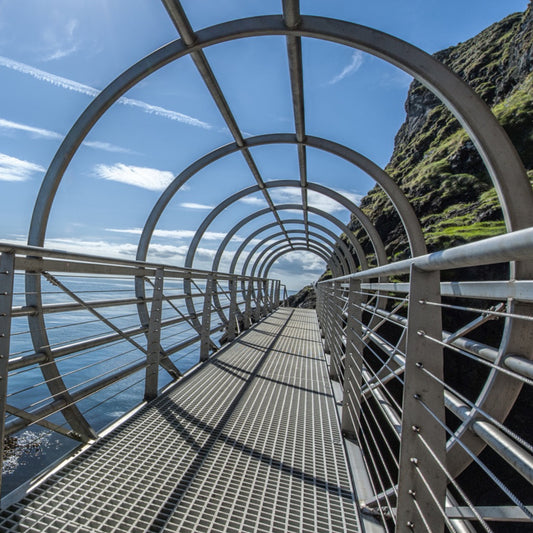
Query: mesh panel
<point>250,442</point>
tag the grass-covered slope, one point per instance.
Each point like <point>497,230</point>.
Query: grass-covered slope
<point>436,164</point>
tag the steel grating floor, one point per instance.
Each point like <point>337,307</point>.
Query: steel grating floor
<point>248,443</point>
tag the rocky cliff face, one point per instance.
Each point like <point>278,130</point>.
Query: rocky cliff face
<point>436,164</point>
<point>434,161</point>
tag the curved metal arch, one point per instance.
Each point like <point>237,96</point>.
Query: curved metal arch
<point>346,252</point>
<point>298,247</point>
<point>342,264</point>
<point>373,235</point>
<point>266,227</point>
<point>496,150</point>
<point>345,267</point>
<point>324,214</point>
<point>393,191</point>
<point>275,255</point>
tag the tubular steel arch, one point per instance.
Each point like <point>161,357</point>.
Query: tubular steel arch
<point>495,148</point>
<point>341,264</point>
<point>347,256</point>
<point>347,232</point>
<point>344,264</point>
<point>269,251</point>
<point>498,154</point>
<point>335,238</point>
<point>373,235</point>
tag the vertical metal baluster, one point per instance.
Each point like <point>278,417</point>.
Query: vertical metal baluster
<point>423,321</point>
<point>206,320</point>
<point>333,341</point>
<point>247,320</point>
<point>232,322</point>
<point>7,267</point>
<point>353,362</point>
<point>258,301</point>
<point>153,338</point>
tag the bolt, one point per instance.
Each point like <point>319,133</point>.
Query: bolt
<point>414,460</point>
<point>419,365</point>
<point>417,396</point>
<point>421,332</point>
<point>410,524</point>
<point>416,429</point>
<point>412,492</point>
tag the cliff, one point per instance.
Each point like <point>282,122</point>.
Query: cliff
<point>436,164</point>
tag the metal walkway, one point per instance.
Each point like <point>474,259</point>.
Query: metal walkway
<point>248,442</point>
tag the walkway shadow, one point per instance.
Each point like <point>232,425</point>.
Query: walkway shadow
<point>174,412</point>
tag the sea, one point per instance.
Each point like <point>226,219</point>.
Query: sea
<point>35,448</point>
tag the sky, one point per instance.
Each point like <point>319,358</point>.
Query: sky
<point>56,56</point>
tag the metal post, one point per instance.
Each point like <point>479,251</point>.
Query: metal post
<point>7,267</point>
<point>247,319</point>
<point>351,405</point>
<point>423,408</point>
<point>266,301</point>
<point>326,313</point>
<point>232,321</point>
<point>205,340</point>
<point>335,370</point>
<point>153,338</point>
<point>258,301</point>
<point>277,296</point>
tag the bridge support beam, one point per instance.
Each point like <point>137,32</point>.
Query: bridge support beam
<point>7,267</point>
<point>422,480</point>
<point>351,404</point>
<point>154,338</point>
<point>205,340</point>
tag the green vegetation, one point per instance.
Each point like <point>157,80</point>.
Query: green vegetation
<point>434,161</point>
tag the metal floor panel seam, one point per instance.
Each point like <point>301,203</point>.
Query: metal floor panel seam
<point>250,442</point>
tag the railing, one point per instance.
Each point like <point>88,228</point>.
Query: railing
<point>84,339</point>
<point>436,382</point>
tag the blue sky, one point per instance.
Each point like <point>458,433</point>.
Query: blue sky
<point>56,55</point>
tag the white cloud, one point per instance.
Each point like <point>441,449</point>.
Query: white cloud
<point>144,177</point>
<point>178,234</point>
<point>192,205</point>
<point>74,86</point>
<point>38,132</point>
<point>107,147</point>
<point>253,200</point>
<point>49,134</point>
<point>61,41</point>
<point>315,199</point>
<point>13,169</point>
<point>353,66</point>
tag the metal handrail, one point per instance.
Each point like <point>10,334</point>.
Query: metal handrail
<point>388,354</point>
<point>146,330</point>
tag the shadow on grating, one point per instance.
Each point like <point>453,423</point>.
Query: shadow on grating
<point>249,442</point>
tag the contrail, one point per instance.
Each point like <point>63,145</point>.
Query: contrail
<point>74,86</point>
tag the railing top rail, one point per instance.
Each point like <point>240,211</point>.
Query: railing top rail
<point>513,246</point>
<point>42,252</point>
